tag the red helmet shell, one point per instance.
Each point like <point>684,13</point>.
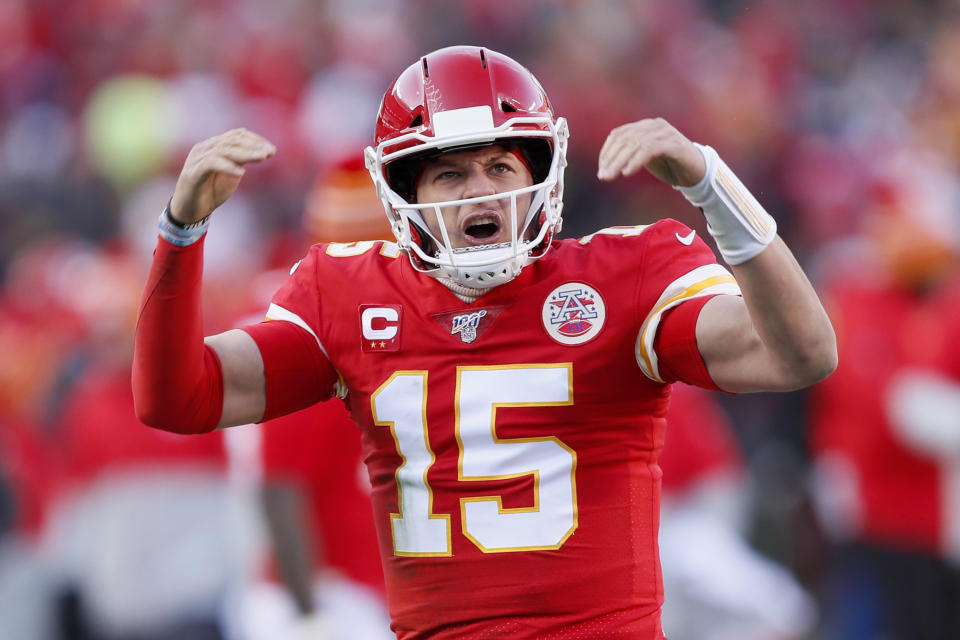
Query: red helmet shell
<point>456,78</point>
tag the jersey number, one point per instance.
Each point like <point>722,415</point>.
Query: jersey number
<point>400,404</point>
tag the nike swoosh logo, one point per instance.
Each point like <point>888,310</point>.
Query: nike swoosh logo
<point>687,239</point>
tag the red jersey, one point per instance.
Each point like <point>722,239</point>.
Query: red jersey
<point>904,497</point>
<point>101,433</point>
<point>512,442</point>
<point>700,442</point>
<point>28,471</point>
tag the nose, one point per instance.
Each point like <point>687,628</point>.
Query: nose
<point>478,183</point>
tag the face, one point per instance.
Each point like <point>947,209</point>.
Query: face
<point>470,174</point>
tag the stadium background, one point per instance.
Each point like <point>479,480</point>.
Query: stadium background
<point>829,109</point>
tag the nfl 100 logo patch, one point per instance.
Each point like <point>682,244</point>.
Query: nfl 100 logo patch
<point>468,325</point>
<point>573,313</point>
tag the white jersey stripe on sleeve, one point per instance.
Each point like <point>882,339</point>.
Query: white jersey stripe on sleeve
<point>276,312</point>
<point>706,280</point>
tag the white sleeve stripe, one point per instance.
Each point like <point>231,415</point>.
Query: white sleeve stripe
<point>689,279</point>
<point>703,281</point>
<point>276,312</point>
<point>758,221</point>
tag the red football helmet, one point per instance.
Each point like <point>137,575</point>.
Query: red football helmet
<point>459,98</point>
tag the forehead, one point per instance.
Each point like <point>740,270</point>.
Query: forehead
<point>483,154</point>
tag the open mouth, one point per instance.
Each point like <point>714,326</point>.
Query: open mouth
<point>483,228</point>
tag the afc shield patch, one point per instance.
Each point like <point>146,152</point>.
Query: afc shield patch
<point>573,313</point>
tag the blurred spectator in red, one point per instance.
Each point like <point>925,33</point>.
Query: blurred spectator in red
<point>145,535</point>
<point>315,490</point>
<point>38,333</point>
<point>711,575</point>
<point>886,425</point>
<point>26,476</point>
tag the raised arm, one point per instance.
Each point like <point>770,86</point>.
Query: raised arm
<point>182,383</point>
<point>778,336</point>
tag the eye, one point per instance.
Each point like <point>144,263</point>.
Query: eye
<point>502,167</point>
<point>449,174</point>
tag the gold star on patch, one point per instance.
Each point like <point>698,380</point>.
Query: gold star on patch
<point>373,345</point>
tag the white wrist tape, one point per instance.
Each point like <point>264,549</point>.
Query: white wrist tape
<point>738,223</point>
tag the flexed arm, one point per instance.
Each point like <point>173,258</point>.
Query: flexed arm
<point>181,383</point>
<point>778,336</point>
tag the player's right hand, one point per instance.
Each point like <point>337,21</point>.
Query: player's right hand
<point>212,172</point>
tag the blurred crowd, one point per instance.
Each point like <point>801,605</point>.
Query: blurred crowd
<point>842,116</point>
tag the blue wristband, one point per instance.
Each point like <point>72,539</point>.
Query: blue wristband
<point>181,235</point>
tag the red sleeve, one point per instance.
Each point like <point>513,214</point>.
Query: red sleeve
<point>676,345</point>
<point>177,379</point>
<point>299,299</point>
<point>297,372</point>
<point>679,273</point>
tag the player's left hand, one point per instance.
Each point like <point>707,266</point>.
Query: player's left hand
<point>655,144</point>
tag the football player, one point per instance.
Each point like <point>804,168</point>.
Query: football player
<point>511,387</point>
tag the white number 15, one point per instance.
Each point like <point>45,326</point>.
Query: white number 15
<point>400,404</point>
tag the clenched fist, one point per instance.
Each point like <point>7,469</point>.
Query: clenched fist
<point>212,172</point>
